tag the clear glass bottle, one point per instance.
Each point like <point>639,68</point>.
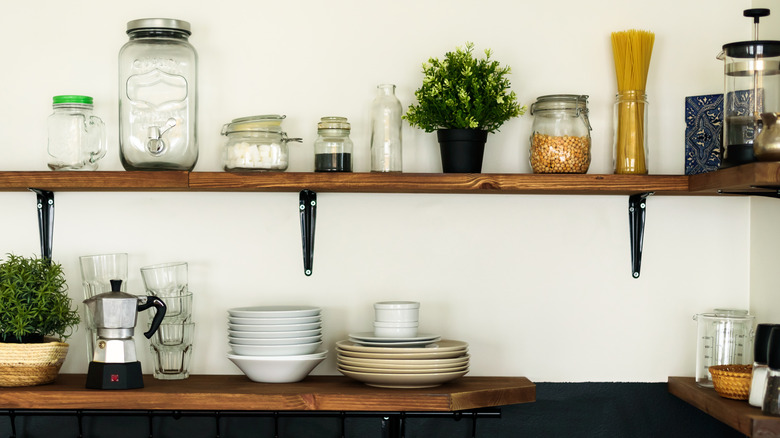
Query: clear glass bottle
<point>256,143</point>
<point>158,105</point>
<point>333,147</point>
<point>630,136</point>
<point>560,138</point>
<point>386,141</point>
<point>77,138</point>
<point>760,367</point>
<point>771,405</point>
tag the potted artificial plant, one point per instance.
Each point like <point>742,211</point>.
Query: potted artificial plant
<point>463,98</point>
<point>35,319</point>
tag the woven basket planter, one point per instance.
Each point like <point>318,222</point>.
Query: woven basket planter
<point>30,364</point>
<point>732,381</point>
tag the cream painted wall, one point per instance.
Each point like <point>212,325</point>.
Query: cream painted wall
<point>539,286</point>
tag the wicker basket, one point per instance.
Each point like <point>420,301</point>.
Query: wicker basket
<point>732,381</point>
<point>30,364</point>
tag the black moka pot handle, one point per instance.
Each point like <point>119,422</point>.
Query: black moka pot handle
<point>152,300</point>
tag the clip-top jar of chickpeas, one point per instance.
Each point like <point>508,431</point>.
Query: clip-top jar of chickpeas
<point>560,142</point>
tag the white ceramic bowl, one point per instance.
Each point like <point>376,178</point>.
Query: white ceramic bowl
<point>395,329</point>
<point>397,311</point>
<point>274,341</point>
<point>277,369</point>
<point>274,335</point>
<point>274,350</point>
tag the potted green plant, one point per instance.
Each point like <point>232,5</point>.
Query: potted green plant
<point>35,319</point>
<point>463,98</point>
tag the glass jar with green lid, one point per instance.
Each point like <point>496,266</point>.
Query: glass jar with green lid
<point>333,147</point>
<point>77,138</point>
<point>256,143</point>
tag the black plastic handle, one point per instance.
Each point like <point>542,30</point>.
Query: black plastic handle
<point>756,13</point>
<point>152,300</point>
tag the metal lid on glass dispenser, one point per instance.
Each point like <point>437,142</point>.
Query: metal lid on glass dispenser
<point>159,23</point>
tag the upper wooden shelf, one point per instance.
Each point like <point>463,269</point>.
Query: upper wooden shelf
<point>735,413</point>
<point>238,393</point>
<point>749,178</point>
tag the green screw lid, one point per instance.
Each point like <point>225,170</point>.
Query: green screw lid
<point>72,98</point>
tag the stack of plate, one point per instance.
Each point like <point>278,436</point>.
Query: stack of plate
<point>397,366</point>
<point>275,343</point>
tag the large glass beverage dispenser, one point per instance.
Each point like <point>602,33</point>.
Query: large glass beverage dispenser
<point>158,96</point>
<point>752,88</point>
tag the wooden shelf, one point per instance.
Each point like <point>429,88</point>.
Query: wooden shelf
<point>735,413</point>
<point>749,178</point>
<point>238,393</point>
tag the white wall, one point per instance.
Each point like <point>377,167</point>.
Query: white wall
<point>539,286</point>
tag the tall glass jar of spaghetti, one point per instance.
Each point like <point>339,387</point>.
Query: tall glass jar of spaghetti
<point>560,138</point>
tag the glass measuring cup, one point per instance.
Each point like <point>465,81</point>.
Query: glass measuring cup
<point>724,337</point>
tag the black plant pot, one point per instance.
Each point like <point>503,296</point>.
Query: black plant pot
<point>462,149</point>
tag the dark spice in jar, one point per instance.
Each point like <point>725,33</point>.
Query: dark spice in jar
<point>338,162</point>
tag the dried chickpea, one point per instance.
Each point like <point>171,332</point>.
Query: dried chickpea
<point>559,154</point>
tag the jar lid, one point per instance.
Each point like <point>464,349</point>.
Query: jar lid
<point>159,23</point>
<point>72,98</point>
<point>564,102</point>
<point>263,123</point>
<point>751,49</point>
<point>333,122</point>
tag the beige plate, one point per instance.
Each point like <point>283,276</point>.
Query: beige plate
<point>400,364</point>
<point>403,380</point>
<point>443,345</point>
<point>429,354</point>
<point>402,371</point>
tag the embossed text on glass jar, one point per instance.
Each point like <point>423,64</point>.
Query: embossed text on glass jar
<point>158,96</point>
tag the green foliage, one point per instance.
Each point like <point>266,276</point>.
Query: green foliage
<point>34,299</point>
<point>464,92</point>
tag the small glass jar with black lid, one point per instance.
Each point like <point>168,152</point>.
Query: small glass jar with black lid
<point>333,147</point>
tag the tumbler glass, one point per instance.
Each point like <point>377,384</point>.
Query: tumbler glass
<point>165,280</point>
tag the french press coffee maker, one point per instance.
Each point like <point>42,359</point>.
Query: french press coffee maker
<point>114,364</point>
<point>752,94</point>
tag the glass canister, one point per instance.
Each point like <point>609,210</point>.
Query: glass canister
<point>752,88</point>
<point>333,147</point>
<point>560,139</point>
<point>256,143</point>
<point>158,96</point>
<point>725,337</point>
<point>77,138</point>
<point>386,115</point>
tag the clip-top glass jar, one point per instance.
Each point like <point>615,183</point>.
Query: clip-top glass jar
<point>560,139</point>
<point>77,138</point>
<point>158,96</point>
<point>256,143</point>
<point>333,147</point>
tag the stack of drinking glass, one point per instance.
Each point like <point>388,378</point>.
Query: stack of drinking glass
<point>171,344</point>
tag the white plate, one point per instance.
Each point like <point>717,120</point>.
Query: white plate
<point>274,341</point>
<point>272,335</point>
<point>403,380</point>
<point>273,327</point>
<point>402,371</point>
<point>432,354</point>
<point>440,346</point>
<point>393,344</point>
<point>371,337</point>
<point>274,311</point>
<point>404,363</point>
<point>274,350</point>
<point>293,320</point>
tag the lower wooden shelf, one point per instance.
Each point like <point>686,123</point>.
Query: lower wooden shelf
<point>238,393</point>
<point>735,413</point>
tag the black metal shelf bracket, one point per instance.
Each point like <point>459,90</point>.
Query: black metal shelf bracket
<point>45,205</point>
<point>637,210</point>
<point>774,193</point>
<point>307,204</point>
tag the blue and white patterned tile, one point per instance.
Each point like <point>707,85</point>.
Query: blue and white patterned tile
<point>703,133</point>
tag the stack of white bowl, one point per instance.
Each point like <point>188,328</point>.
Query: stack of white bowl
<point>395,355</point>
<point>275,344</point>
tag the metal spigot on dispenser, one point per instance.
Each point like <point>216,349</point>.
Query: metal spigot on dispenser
<point>752,90</point>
